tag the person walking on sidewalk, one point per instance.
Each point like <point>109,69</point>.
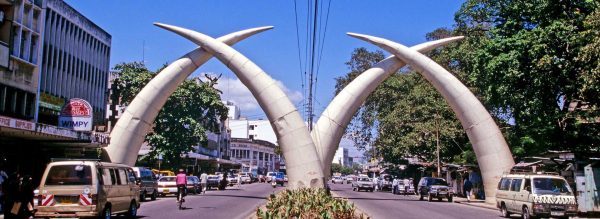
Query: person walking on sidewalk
<point>467,186</point>
<point>203,182</point>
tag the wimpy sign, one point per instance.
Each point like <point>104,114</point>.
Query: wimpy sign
<point>76,115</point>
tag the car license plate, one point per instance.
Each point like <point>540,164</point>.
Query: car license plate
<point>165,190</point>
<point>557,213</point>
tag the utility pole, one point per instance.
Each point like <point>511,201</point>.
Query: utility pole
<point>437,139</point>
<point>312,67</point>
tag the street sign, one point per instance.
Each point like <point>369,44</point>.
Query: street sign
<point>77,115</point>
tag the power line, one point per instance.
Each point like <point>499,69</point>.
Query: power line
<point>298,45</point>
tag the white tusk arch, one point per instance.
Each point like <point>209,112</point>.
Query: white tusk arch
<point>333,122</point>
<point>302,161</point>
<point>493,155</point>
<point>128,135</point>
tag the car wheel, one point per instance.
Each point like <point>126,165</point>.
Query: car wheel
<point>504,211</point>
<point>154,194</point>
<point>449,198</point>
<point>107,213</point>
<point>429,197</point>
<point>420,197</point>
<point>143,196</point>
<point>439,199</point>
<point>132,212</point>
<point>526,213</point>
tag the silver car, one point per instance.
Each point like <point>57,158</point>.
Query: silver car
<point>363,183</point>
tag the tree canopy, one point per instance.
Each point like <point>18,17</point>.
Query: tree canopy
<point>192,110</point>
<point>533,64</point>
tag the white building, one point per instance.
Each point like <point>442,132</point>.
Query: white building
<point>256,156</point>
<point>252,129</point>
<point>234,110</point>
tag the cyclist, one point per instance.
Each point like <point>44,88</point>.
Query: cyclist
<point>181,181</point>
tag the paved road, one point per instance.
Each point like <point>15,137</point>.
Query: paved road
<point>380,205</point>
<point>231,203</point>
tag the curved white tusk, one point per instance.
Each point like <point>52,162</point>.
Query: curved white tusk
<point>128,134</point>
<point>332,124</point>
<point>302,162</point>
<point>493,155</point>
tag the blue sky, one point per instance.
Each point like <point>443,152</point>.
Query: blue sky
<point>135,38</point>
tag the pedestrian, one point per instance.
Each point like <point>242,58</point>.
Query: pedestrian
<point>25,197</point>
<point>376,182</point>
<point>203,182</point>
<point>406,185</point>
<point>11,193</point>
<point>3,177</point>
<point>239,180</point>
<point>467,186</point>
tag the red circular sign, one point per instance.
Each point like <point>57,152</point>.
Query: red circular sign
<point>77,108</point>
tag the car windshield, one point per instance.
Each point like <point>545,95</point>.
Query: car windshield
<point>437,182</point>
<point>554,186</point>
<point>69,175</point>
<point>364,179</point>
<point>167,179</point>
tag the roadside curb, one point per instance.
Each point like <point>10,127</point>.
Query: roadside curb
<point>477,203</point>
<point>358,213</point>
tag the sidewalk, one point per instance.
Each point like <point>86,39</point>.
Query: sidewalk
<point>474,202</point>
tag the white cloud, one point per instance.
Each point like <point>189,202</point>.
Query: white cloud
<point>234,90</point>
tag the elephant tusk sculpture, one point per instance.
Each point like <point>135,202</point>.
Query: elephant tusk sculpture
<point>128,134</point>
<point>492,152</point>
<point>332,124</point>
<point>302,161</point>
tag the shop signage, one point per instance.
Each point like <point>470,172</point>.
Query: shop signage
<point>51,102</point>
<point>16,123</point>
<point>53,130</point>
<point>76,115</point>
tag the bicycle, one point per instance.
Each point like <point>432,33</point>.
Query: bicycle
<point>181,197</point>
<point>181,201</point>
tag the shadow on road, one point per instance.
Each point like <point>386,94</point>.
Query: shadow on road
<point>238,196</point>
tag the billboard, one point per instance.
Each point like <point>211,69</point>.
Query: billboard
<point>76,114</point>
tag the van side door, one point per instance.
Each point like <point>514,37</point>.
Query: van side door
<point>134,189</point>
<point>517,195</point>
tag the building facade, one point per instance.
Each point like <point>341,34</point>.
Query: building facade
<point>21,27</point>
<point>256,156</point>
<point>43,43</point>
<point>341,157</point>
<point>75,62</point>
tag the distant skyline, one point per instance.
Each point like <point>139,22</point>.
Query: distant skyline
<point>135,38</point>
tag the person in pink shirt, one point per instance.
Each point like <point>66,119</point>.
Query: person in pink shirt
<point>181,182</point>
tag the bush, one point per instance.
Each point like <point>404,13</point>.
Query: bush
<point>306,203</point>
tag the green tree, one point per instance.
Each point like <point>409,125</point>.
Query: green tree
<point>404,116</point>
<point>192,110</point>
<point>527,61</point>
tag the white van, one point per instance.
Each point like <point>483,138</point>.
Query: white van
<point>81,188</point>
<point>535,195</point>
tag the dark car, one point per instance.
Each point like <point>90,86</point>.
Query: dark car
<point>193,184</point>
<point>212,181</point>
<point>147,182</point>
<point>434,188</point>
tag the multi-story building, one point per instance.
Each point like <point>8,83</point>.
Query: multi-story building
<point>75,62</point>
<point>49,53</point>
<point>21,25</point>
<point>253,143</point>
<point>256,156</point>
<point>341,157</point>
